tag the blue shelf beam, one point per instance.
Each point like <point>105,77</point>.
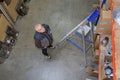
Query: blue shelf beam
<point>75,44</point>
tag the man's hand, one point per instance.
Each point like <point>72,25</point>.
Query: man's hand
<point>45,47</point>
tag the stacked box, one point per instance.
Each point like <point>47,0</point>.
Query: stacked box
<point>105,23</point>
<point>11,9</point>
<point>3,26</point>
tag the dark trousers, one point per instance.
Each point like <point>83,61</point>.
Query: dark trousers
<point>44,51</point>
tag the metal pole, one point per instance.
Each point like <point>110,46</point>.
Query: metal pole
<point>84,51</point>
<point>91,32</point>
<point>6,15</point>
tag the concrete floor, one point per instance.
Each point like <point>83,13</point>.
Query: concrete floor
<point>27,63</point>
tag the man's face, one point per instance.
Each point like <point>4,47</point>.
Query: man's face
<point>39,28</point>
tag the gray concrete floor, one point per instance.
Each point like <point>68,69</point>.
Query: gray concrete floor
<point>27,63</point>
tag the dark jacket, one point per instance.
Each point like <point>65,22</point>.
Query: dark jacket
<point>44,39</point>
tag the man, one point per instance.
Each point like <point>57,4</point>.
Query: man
<point>43,38</point>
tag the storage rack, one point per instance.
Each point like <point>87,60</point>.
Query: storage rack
<point>115,37</point>
<point>116,42</point>
<point>107,32</point>
<point>8,17</point>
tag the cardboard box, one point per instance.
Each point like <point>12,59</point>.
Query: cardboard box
<point>105,23</point>
<point>96,52</point>
<point>116,4</point>
<point>95,37</point>
<point>103,31</point>
<point>11,9</point>
<point>14,3</point>
<point>104,26</point>
<point>3,26</point>
<point>105,14</point>
<point>97,42</point>
<point>92,72</point>
<point>95,59</point>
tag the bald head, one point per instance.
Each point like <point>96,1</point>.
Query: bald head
<point>39,28</point>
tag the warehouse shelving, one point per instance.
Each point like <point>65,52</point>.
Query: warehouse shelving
<point>115,45</point>
<point>116,42</point>
<point>104,28</point>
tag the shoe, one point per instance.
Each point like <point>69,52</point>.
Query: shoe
<point>53,47</point>
<point>49,57</point>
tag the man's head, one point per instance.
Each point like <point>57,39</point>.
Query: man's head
<point>39,28</point>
